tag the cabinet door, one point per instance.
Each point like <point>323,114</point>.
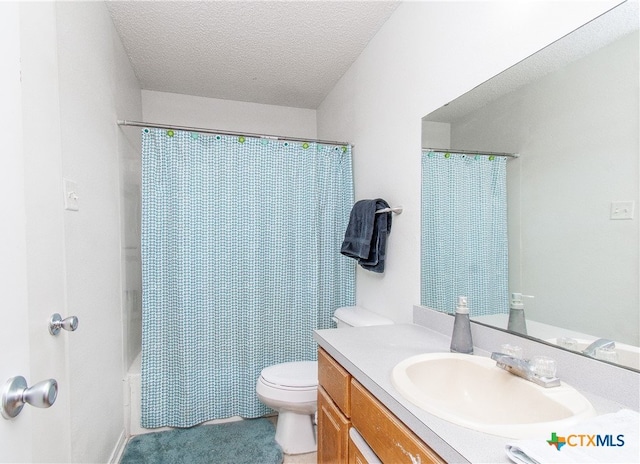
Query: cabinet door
<point>333,431</point>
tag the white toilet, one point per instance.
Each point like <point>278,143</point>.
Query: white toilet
<point>291,388</point>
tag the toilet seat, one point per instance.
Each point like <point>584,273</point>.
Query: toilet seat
<point>292,376</point>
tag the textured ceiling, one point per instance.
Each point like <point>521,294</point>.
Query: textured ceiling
<point>288,53</point>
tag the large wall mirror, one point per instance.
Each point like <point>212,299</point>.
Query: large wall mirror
<point>571,113</point>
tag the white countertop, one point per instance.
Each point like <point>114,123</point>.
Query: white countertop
<point>370,353</point>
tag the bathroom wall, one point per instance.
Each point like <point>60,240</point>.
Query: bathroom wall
<point>96,87</point>
<point>425,55</point>
<point>235,116</point>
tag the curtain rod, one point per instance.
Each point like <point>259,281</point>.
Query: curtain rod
<point>470,152</point>
<point>124,122</point>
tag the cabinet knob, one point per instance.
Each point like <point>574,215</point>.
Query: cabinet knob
<point>16,394</point>
<point>56,323</point>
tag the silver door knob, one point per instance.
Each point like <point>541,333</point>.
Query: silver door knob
<point>16,394</point>
<point>56,323</point>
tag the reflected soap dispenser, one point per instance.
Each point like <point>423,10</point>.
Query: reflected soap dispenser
<point>517,322</point>
<point>461,341</point>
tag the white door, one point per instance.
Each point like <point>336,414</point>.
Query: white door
<point>31,232</point>
<point>45,255</point>
<point>15,434</point>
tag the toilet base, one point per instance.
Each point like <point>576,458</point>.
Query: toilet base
<point>295,432</point>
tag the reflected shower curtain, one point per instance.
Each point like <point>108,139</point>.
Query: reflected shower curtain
<point>464,232</point>
<point>241,262</point>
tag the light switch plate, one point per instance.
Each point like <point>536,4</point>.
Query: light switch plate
<point>71,196</point>
<point>622,209</point>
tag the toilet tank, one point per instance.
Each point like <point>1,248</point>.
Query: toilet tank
<point>355,316</point>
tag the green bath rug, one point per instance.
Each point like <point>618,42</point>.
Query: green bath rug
<point>243,442</point>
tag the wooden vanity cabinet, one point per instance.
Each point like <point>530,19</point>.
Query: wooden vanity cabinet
<point>334,404</point>
<point>344,403</point>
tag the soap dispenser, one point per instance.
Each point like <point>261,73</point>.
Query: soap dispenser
<point>517,322</point>
<point>461,339</point>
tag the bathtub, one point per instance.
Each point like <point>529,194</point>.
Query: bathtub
<point>133,402</point>
<point>132,399</point>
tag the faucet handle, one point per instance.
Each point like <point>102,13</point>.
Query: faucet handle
<point>568,343</point>
<point>543,366</point>
<point>505,360</point>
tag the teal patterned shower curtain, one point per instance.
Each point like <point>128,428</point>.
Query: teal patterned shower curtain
<point>241,262</point>
<point>464,232</point>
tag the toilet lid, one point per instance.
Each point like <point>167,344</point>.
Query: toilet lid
<point>292,374</point>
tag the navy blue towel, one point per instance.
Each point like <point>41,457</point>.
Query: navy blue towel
<point>366,236</point>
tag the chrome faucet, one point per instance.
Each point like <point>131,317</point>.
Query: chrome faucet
<point>599,343</point>
<point>525,369</point>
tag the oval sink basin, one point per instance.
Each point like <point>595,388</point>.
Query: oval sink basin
<point>473,392</point>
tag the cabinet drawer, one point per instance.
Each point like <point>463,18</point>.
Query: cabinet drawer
<point>333,431</point>
<point>335,381</point>
<point>387,436</point>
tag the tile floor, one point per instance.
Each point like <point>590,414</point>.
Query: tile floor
<point>310,458</point>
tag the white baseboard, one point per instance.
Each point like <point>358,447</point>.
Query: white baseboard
<point>116,454</point>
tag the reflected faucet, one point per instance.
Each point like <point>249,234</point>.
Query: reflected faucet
<point>599,343</point>
<point>525,369</point>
